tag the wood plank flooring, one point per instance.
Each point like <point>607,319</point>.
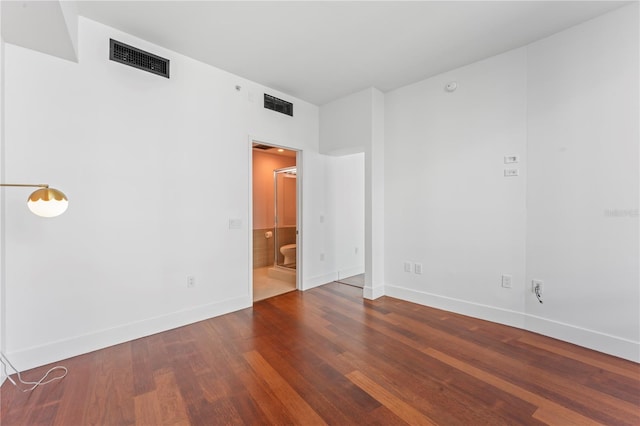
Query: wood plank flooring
<point>327,356</point>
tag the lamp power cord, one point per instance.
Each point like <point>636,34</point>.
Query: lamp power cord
<point>5,362</point>
<point>538,293</point>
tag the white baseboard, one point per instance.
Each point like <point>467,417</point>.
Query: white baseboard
<point>601,342</point>
<point>318,280</point>
<point>53,352</point>
<point>591,339</point>
<point>350,272</point>
<point>373,293</point>
<point>476,310</point>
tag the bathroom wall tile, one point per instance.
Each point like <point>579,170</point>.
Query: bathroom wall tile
<point>263,248</point>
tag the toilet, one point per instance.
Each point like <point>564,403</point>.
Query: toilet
<point>289,253</point>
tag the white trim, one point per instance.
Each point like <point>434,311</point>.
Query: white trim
<point>373,293</point>
<point>350,272</point>
<point>319,280</point>
<point>250,219</point>
<point>601,342</point>
<point>62,349</point>
<point>606,343</point>
<point>476,310</point>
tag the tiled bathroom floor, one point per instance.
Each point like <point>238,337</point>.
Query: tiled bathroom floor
<point>264,286</point>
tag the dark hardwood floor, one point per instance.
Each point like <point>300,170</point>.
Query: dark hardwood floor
<point>327,356</point>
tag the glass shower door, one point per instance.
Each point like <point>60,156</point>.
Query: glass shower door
<point>285,217</point>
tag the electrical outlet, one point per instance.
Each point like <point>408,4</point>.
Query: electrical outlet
<point>536,288</point>
<point>407,266</point>
<point>510,159</point>
<point>191,281</point>
<point>417,268</point>
<point>511,172</point>
<point>506,281</point>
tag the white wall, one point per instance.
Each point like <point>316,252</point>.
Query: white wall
<point>568,105</point>
<point>345,199</point>
<point>582,194</point>
<point>154,169</point>
<point>2,221</point>
<point>448,205</point>
<point>346,124</point>
<point>354,124</point>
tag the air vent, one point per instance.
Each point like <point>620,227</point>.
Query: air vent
<point>278,105</point>
<point>262,147</point>
<point>137,58</point>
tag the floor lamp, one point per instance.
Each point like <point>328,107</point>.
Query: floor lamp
<point>44,202</point>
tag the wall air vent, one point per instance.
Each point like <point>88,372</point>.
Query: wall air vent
<point>278,105</point>
<point>137,58</point>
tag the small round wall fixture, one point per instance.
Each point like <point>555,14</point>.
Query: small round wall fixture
<point>47,202</point>
<point>451,86</point>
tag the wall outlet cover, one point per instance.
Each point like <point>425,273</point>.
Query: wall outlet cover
<point>506,281</point>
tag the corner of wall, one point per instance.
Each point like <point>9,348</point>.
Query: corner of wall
<point>2,204</point>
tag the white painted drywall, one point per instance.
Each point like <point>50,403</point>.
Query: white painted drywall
<point>154,169</point>
<point>448,206</point>
<point>568,105</point>
<point>355,124</point>
<point>583,187</point>
<point>346,124</point>
<point>374,173</point>
<point>2,222</point>
<point>49,27</point>
<point>345,193</point>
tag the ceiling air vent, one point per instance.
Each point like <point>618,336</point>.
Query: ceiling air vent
<point>262,147</point>
<point>278,105</point>
<point>137,58</point>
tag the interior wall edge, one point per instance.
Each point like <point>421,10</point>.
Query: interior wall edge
<point>373,293</point>
<point>316,281</point>
<point>351,271</point>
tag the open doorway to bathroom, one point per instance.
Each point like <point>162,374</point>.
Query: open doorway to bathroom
<point>275,221</point>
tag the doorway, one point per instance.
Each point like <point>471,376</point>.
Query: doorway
<point>275,195</point>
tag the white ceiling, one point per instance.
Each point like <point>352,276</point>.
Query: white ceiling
<point>321,51</point>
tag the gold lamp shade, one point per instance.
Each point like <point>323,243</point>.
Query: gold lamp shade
<point>47,202</point>
<point>44,202</point>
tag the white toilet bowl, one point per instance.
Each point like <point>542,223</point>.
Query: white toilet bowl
<point>289,253</point>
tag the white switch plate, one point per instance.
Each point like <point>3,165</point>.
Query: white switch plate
<point>510,159</point>
<point>407,266</point>
<point>191,281</point>
<point>511,172</point>
<point>417,268</point>
<point>235,223</point>
<point>506,281</point>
